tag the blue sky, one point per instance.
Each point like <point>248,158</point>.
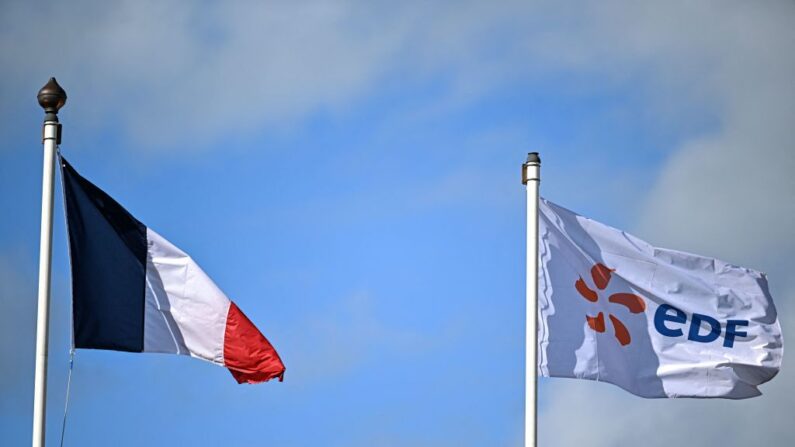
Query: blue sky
<point>349,174</point>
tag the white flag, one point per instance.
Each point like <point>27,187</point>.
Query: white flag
<point>655,322</point>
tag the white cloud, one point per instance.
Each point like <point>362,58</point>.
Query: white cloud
<point>171,71</point>
<point>730,193</point>
<point>167,70</point>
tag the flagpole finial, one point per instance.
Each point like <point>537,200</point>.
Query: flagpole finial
<point>51,98</point>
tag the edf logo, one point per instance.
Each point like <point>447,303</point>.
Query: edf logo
<point>668,318</point>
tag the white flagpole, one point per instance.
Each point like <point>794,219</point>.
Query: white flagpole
<point>531,177</point>
<point>51,98</point>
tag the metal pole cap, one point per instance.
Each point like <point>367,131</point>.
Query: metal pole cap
<point>532,160</point>
<point>51,97</point>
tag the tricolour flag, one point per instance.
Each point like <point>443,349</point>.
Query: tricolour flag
<point>134,291</point>
<point>655,322</point>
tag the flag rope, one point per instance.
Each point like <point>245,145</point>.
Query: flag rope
<point>68,386</point>
<point>71,317</point>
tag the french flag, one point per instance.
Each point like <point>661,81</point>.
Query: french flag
<point>134,291</point>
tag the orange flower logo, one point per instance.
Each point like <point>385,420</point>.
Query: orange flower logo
<point>601,275</point>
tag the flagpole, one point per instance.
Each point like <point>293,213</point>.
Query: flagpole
<point>531,177</point>
<point>51,98</point>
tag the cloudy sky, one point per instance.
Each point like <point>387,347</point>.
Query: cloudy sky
<point>348,172</point>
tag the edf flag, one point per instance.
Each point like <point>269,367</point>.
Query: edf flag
<point>655,322</point>
<point>134,291</point>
